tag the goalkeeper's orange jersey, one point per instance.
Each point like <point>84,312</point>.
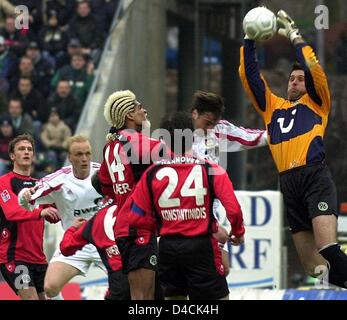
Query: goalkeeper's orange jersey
<point>295,129</point>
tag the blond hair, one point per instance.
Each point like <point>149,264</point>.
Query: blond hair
<point>117,106</point>
<point>73,139</point>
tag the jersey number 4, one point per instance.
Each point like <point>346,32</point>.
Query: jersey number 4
<point>198,191</point>
<point>116,167</point>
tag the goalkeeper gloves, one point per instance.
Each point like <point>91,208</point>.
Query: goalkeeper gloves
<point>288,29</point>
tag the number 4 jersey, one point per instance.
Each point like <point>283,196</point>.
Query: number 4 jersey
<point>125,159</point>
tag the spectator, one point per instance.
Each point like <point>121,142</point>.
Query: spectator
<point>63,8</point>
<point>6,135</point>
<point>22,122</point>
<point>73,47</point>
<point>3,96</point>
<point>25,69</point>
<point>6,9</point>
<point>52,39</point>
<point>44,67</point>
<point>15,39</point>
<point>67,106</point>
<point>54,136</point>
<point>84,27</point>
<point>78,74</point>
<point>32,101</point>
<point>7,61</point>
<point>103,11</point>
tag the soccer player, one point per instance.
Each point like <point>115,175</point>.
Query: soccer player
<point>70,189</point>
<point>212,133</point>
<point>23,263</point>
<point>99,231</point>
<point>127,154</point>
<point>295,128</point>
<point>176,196</point>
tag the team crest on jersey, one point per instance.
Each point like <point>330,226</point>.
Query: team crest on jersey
<point>10,266</point>
<point>4,234</point>
<point>290,123</point>
<point>153,260</point>
<point>5,196</point>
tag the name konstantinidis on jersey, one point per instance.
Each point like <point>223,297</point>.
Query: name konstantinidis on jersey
<point>184,214</point>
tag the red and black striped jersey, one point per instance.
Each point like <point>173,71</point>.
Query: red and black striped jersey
<point>21,236</point>
<point>176,196</point>
<point>99,232</point>
<point>125,159</point>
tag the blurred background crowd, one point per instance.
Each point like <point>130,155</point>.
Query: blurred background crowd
<point>46,71</point>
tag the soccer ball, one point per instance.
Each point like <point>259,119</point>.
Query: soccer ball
<point>260,24</point>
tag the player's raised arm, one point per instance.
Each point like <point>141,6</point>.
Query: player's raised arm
<point>238,138</point>
<point>315,79</point>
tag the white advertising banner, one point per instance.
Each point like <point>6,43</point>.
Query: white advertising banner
<point>259,261</point>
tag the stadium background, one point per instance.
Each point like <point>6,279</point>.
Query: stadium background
<point>164,50</point>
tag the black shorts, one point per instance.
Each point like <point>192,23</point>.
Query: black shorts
<point>308,192</point>
<point>191,266</point>
<point>20,275</point>
<point>118,286</point>
<point>140,252</point>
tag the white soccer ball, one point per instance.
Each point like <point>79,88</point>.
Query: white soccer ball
<point>260,24</point>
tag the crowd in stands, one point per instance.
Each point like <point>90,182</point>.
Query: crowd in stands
<point>46,71</point>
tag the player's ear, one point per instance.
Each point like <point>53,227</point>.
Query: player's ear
<point>12,156</point>
<point>130,115</point>
<point>195,114</point>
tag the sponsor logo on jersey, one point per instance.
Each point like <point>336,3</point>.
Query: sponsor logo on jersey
<point>28,183</point>
<point>78,212</point>
<point>290,123</point>
<point>112,251</point>
<point>5,196</point>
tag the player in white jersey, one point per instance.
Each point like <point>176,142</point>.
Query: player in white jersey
<point>70,189</point>
<point>217,135</point>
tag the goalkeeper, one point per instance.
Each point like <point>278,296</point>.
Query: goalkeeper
<point>295,128</point>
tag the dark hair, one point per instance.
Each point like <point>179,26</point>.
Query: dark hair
<point>22,137</point>
<point>296,66</point>
<point>181,120</point>
<point>96,182</point>
<point>208,102</point>
<point>16,100</point>
<point>83,1</point>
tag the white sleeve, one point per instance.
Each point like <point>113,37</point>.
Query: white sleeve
<point>233,138</point>
<point>45,193</point>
